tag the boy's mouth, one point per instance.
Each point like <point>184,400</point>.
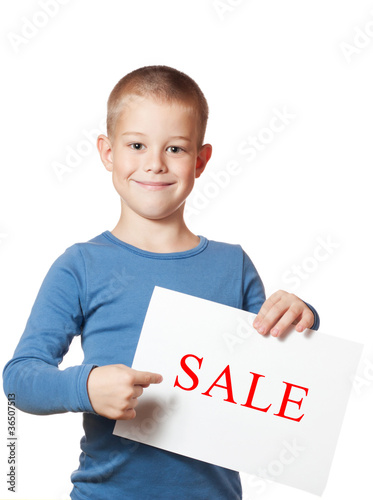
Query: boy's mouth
<point>154,186</point>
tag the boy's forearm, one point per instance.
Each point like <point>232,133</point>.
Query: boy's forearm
<point>40,387</point>
<point>44,389</point>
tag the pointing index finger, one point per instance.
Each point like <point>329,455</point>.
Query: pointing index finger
<point>146,378</point>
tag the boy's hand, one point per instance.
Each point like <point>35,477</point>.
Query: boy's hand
<point>281,310</point>
<point>113,390</point>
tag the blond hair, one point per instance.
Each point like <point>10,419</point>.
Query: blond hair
<point>164,83</point>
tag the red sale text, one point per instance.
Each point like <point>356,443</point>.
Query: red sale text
<point>191,364</point>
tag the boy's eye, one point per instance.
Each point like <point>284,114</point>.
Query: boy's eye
<point>137,146</point>
<point>175,149</point>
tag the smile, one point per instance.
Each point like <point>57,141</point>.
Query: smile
<point>154,186</point>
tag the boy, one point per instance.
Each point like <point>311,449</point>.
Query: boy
<point>154,149</point>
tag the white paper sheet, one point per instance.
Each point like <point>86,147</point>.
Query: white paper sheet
<point>226,433</point>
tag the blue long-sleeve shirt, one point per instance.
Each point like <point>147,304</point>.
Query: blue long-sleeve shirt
<point>100,290</point>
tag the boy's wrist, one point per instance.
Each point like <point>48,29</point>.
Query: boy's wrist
<point>316,322</point>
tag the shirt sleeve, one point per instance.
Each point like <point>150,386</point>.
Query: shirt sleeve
<point>57,315</point>
<point>253,289</point>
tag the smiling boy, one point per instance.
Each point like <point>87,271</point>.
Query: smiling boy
<point>155,154</point>
<point>154,149</point>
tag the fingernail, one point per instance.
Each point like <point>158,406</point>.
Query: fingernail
<point>275,332</point>
<point>261,329</point>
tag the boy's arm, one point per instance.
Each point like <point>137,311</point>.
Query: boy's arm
<point>58,315</point>
<point>40,387</point>
<point>280,310</point>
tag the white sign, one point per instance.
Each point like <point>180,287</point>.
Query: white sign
<point>236,399</point>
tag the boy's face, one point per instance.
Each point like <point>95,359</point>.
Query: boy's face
<point>154,156</point>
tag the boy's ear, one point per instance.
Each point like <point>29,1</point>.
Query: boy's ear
<point>105,150</point>
<point>202,159</point>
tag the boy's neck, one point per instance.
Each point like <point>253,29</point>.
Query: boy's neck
<point>160,236</point>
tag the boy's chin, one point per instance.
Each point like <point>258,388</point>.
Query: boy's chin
<point>157,216</point>
<point>155,212</point>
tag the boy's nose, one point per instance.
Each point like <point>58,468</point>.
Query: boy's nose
<point>155,163</point>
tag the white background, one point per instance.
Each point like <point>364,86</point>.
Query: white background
<point>310,182</point>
